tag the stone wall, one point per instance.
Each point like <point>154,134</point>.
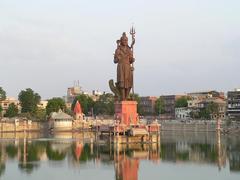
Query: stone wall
<point>16,126</point>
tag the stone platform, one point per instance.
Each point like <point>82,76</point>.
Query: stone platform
<point>126,112</point>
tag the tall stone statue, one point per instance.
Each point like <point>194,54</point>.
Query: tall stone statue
<point>124,59</point>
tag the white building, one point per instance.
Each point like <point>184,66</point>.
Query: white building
<point>182,113</point>
<point>42,104</point>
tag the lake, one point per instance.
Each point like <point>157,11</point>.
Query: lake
<point>178,156</point>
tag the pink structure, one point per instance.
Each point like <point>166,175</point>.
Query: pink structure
<point>78,111</point>
<point>126,112</point>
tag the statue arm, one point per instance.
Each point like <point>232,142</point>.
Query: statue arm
<point>116,56</point>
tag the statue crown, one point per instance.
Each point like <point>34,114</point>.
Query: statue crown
<point>124,36</point>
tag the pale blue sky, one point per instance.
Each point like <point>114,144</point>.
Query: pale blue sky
<point>181,45</point>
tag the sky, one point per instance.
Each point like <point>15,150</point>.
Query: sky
<point>181,45</point>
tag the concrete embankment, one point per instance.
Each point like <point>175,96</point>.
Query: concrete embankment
<point>193,126</point>
<point>15,126</point>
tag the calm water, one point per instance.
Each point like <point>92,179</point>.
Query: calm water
<point>179,156</point>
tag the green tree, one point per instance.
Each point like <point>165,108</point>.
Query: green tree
<point>55,104</point>
<point>136,97</point>
<point>211,109</point>
<point>12,110</point>
<point>159,106</point>
<point>29,100</point>
<point>204,113</point>
<point>40,114</point>
<point>1,110</point>
<point>2,94</point>
<point>104,105</point>
<point>182,102</point>
<point>86,103</point>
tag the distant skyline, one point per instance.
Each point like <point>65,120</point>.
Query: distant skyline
<point>181,46</point>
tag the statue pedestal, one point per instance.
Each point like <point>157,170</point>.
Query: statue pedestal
<point>126,112</point>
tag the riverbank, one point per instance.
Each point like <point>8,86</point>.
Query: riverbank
<point>24,125</point>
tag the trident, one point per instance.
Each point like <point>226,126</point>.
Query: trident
<point>132,32</point>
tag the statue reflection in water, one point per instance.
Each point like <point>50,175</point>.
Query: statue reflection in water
<point>127,158</point>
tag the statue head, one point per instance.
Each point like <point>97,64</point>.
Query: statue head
<point>124,39</point>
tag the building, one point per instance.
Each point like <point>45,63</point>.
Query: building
<point>60,121</point>
<point>182,113</point>
<point>78,111</point>
<point>169,106</point>
<point>42,104</point>
<point>233,104</point>
<point>221,106</point>
<point>96,94</point>
<point>205,94</point>
<point>72,93</point>
<point>9,100</point>
<point>148,104</point>
<point>200,100</point>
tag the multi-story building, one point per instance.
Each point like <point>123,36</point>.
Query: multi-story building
<point>199,100</point>
<point>148,104</point>
<point>205,94</point>
<point>221,106</point>
<point>233,104</point>
<point>9,100</point>
<point>169,106</point>
<point>96,94</point>
<point>72,93</point>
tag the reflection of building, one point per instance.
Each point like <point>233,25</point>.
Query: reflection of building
<point>127,159</point>
<point>126,168</point>
<point>148,104</point>
<point>233,109</point>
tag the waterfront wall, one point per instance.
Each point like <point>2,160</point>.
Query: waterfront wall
<point>14,126</point>
<point>195,126</point>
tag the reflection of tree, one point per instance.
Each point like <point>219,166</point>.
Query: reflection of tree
<point>86,154</point>
<point>183,156</point>
<point>168,151</point>
<point>54,154</point>
<point>28,168</point>
<point>2,169</point>
<point>2,162</point>
<point>30,154</point>
<point>207,151</point>
<point>198,152</point>
<point>234,156</point>
<point>11,151</point>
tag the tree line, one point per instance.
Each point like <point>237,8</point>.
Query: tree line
<point>29,100</point>
<point>104,105</point>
